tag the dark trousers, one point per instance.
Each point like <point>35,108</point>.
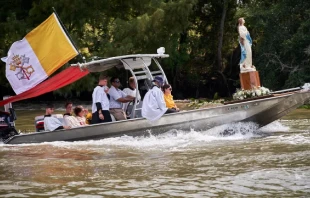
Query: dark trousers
<point>171,111</point>
<point>106,114</point>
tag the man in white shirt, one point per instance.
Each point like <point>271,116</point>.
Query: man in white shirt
<point>117,97</point>
<point>51,123</point>
<point>100,106</point>
<point>131,91</point>
<point>154,105</point>
<point>68,107</point>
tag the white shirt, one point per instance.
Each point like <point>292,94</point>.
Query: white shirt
<point>131,92</point>
<point>116,94</point>
<point>51,123</point>
<point>100,96</point>
<point>72,121</point>
<point>154,105</point>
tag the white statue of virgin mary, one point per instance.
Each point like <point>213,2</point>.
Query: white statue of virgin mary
<point>245,42</point>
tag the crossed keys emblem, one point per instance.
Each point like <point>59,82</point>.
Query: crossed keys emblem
<point>21,64</point>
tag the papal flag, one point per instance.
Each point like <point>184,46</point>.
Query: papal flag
<point>40,53</point>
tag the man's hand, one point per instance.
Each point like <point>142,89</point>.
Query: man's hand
<point>67,127</point>
<point>130,98</point>
<point>101,116</point>
<point>126,99</point>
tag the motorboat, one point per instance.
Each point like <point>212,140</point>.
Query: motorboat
<point>144,67</point>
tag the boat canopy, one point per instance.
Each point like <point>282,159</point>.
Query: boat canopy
<point>135,61</point>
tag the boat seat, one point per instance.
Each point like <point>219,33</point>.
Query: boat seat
<point>138,110</point>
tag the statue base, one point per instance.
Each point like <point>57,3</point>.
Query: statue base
<point>249,80</point>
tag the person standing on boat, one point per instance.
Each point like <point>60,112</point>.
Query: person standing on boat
<point>131,91</point>
<point>117,97</point>
<point>154,105</point>
<point>52,123</point>
<point>245,42</point>
<point>100,106</point>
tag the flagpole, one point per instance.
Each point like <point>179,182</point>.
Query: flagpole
<point>63,26</point>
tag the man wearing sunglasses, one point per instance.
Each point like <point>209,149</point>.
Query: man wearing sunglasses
<point>117,98</point>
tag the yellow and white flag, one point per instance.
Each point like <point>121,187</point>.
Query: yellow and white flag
<point>40,53</point>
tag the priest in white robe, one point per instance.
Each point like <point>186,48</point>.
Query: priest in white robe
<point>154,105</point>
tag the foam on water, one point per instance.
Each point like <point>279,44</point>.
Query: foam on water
<point>174,139</point>
<point>275,126</point>
<point>296,139</point>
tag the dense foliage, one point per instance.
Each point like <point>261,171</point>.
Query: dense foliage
<point>199,35</point>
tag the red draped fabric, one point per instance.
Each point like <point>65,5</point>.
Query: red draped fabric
<point>58,81</point>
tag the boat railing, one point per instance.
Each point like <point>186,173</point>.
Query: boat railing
<point>286,90</point>
<point>141,73</point>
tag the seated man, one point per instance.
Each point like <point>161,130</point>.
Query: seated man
<point>52,123</point>
<point>131,91</point>
<point>154,105</point>
<point>68,107</point>
<point>117,97</point>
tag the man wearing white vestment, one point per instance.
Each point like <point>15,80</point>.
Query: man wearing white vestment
<point>101,104</point>
<point>51,123</point>
<point>154,105</point>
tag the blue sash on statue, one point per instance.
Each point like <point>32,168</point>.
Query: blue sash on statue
<point>249,38</point>
<point>243,52</point>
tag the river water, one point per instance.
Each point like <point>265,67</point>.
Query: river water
<point>269,162</point>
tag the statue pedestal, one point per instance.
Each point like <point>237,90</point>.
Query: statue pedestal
<point>249,80</point>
